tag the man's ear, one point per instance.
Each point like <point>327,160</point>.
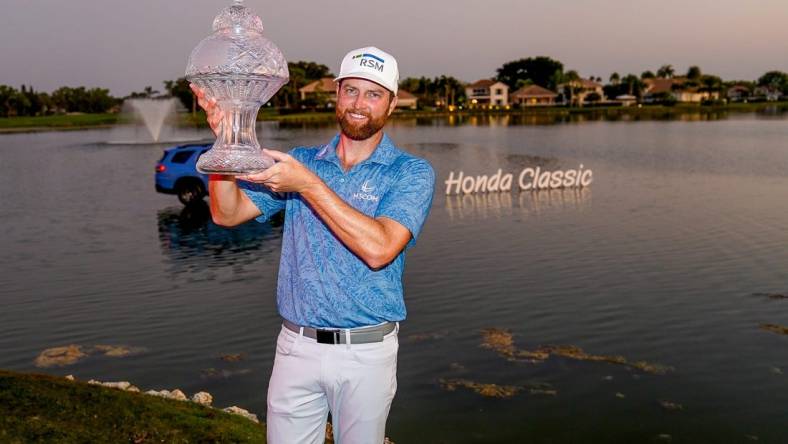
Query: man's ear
<point>393,103</point>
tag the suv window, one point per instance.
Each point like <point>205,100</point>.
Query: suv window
<point>182,156</point>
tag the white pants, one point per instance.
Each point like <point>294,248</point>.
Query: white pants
<point>357,382</point>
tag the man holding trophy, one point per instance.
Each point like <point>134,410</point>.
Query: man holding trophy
<point>352,207</point>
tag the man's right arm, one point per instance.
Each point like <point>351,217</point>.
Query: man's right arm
<point>230,206</point>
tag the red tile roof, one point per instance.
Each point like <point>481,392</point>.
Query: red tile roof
<point>484,83</point>
<point>533,91</point>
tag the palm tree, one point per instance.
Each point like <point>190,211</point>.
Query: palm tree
<point>572,80</point>
<point>646,75</point>
<point>665,71</point>
<point>614,78</point>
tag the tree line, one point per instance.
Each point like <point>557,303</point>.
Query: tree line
<point>26,101</point>
<point>436,91</point>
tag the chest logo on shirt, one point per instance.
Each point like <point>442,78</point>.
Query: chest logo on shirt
<point>366,187</point>
<point>365,194</point>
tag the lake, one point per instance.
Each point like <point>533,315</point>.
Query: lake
<point>668,258</point>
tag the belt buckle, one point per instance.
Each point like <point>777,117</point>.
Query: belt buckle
<point>327,336</point>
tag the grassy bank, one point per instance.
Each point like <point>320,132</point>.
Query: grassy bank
<point>41,408</point>
<point>58,122</point>
<point>83,121</point>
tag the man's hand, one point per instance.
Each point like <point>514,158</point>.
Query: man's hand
<point>286,175</point>
<point>212,111</point>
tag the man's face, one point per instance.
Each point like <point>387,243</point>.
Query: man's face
<point>363,107</point>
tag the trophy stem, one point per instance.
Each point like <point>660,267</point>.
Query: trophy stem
<point>238,124</point>
<point>236,150</point>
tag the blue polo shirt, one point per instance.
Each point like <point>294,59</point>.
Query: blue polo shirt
<point>321,282</point>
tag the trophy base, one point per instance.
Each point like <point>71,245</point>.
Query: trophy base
<point>229,172</point>
<point>234,163</point>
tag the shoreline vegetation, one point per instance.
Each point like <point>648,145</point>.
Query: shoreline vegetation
<point>44,408</point>
<point>540,115</point>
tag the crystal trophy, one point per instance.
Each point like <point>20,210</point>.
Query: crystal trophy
<point>242,70</point>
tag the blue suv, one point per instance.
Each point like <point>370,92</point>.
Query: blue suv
<point>176,173</point>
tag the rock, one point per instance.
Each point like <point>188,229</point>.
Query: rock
<point>117,351</point>
<point>178,395</point>
<point>70,377</point>
<point>239,411</point>
<point>94,382</point>
<point>60,356</point>
<point>203,398</point>
<point>160,393</point>
<point>69,354</point>
<point>133,388</point>
<point>122,385</point>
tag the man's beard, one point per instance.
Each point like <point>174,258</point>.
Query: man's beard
<point>356,131</point>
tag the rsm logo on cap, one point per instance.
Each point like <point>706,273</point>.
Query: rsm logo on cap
<point>370,61</point>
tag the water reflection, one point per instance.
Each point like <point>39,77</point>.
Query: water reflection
<point>532,203</point>
<point>551,116</point>
<point>189,236</point>
<point>561,116</point>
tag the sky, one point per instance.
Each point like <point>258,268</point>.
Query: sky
<point>127,45</point>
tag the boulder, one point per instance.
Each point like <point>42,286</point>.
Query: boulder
<point>239,411</point>
<point>122,385</point>
<point>203,398</point>
<point>59,356</point>
<point>178,395</point>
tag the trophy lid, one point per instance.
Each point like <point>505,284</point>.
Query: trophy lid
<point>239,18</point>
<point>237,47</point>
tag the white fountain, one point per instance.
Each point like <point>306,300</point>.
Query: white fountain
<point>152,112</point>
<point>150,121</point>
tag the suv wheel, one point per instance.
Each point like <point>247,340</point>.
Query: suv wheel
<point>190,191</point>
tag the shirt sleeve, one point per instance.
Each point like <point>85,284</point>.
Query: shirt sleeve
<point>268,202</point>
<point>409,199</point>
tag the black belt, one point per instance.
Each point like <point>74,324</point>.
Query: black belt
<point>359,335</point>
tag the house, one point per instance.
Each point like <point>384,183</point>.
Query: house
<point>486,93</point>
<point>406,99</point>
<point>323,91</point>
<point>583,91</point>
<point>533,95</point>
<point>738,93</point>
<point>768,93</point>
<point>659,88</point>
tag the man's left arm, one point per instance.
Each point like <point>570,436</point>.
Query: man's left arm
<point>375,240</point>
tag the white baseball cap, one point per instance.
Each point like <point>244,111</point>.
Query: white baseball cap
<point>372,64</point>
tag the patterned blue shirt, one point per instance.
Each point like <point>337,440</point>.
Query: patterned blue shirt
<point>321,282</point>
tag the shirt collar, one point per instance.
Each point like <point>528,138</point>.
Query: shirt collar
<point>384,153</point>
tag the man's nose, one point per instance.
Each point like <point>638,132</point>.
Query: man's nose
<point>360,102</point>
